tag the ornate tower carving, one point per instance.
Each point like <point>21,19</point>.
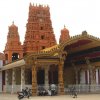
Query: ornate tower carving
<point>39,32</point>
<point>64,35</point>
<point>13,49</point>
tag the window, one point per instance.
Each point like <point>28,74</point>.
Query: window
<point>42,37</point>
<point>15,56</point>
<point>43,47</point>
<point>41,28</point>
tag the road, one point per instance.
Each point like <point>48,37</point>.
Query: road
<point>61,97</point>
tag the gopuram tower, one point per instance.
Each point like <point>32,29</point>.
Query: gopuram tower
<point>13,49</point>
<point>39,32</point>
<point>64,35</point>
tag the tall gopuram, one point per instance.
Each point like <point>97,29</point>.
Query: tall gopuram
<point>13,49</point>
<point>64,35</point>
<point>39,32</point>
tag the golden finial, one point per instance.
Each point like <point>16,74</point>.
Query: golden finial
<point>30,4</point>
<point>64,26</point>
<point>13,22</point>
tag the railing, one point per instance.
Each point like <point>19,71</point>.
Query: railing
<point>46,86</point>
<point>14,88</point>
<point>84,88</point>
<point>80,88</point>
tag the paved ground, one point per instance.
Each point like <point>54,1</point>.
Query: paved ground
<point>62,97</point>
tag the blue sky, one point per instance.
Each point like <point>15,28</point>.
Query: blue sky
<point>76,15</point>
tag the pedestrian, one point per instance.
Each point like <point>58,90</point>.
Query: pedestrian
<point>74,92</point>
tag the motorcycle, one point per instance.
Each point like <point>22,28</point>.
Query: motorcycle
<point>42,91</point>
<point>53,89</point>
<point>24,93</point>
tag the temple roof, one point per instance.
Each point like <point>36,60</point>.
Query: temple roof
<point>80,42</point>
<point>50,48</point>
<point>17,63</point>
<point>75,44</point>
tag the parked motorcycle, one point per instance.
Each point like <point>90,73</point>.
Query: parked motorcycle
<point>42,91</point>
<point>24,93</point>
<point>53,89</point>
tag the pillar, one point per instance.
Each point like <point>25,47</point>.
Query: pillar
<point>60,78</point>
<point>1,81</point>
<point>13,80</point>
<point>9,57</point>
<point>76,76</point>
<point>46,78</point>
<point>6,81</point>
<point>22,77</point>
<point>21,55</point>
<point>86,77</point>
<point>99,76</point>
<point>92,74</point>
<point>34,80</point>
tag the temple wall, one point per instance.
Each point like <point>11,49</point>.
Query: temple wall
<point>69,76</point>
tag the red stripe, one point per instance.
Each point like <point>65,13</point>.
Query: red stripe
<point>91,55</point>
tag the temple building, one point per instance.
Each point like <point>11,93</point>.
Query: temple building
<point>40,61</point>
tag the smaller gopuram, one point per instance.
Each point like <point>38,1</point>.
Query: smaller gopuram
<point>13,48</point>
<point>64,35</point>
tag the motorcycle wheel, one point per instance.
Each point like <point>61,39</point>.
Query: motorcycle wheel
<point>28,97</point>
<point>20,97</point>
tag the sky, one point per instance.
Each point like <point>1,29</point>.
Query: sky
<point>76,15</point>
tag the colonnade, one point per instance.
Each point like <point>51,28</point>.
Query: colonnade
<point>15,79</point>
<point>60,78</point>
<point>87,74</point>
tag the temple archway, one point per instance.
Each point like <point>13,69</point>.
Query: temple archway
<point>53,74</point>
<point>15,56</point>
<point>40,77</point>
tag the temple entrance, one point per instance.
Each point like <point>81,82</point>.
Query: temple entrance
<point>53,75</point>
<point>40,77</point>
<point>15,56</point>
<point>28,76</point>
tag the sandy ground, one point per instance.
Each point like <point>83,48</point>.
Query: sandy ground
<point>61,97</point>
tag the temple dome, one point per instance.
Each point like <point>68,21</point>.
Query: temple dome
<point>64,36</point>
<point>65,30</point>
<point>13,26</point>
